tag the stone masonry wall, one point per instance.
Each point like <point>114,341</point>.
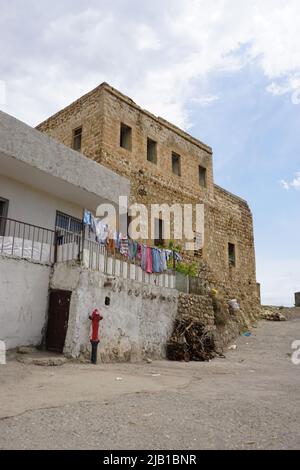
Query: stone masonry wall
<point>228,218</point>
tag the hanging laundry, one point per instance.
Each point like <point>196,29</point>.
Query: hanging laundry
<point>139,251</point>
<point>177,256</point>
<point>93,224</point>
<point>163,260</point>
<point>144,257</point>
<point>111,246</point>
<point>117,240</point>
<point>124,245</point>
<point>87,217</point>
<point>101,232</point>
<point>156,262</point>
<point>132,249</point>
<point>168,254</point>
<point>149,260</point>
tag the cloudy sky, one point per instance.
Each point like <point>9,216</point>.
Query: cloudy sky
<point>227,71</point>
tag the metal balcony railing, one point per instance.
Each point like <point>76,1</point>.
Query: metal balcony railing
<point>27,241</point>
<point>31,242</point>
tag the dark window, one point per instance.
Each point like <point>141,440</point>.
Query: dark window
<point>77,137</point>
<point>67,222</point>
<point>176,164</point>
<point>3,214</point>
<point>202,176</point>
<point>158,232</point>
<point>231,254</point>
<point>151,151</point>
<point>126,137</point>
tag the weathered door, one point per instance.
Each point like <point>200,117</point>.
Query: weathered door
<point>58,316</point>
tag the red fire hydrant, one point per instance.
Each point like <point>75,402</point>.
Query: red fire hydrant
<point>96,317</point>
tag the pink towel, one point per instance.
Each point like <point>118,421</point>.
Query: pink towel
<point>149,260</point>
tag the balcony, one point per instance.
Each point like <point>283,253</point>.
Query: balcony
<point>38,244</point>
<point>26,241</point>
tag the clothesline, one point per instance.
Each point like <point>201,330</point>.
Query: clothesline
<point>152,259</point>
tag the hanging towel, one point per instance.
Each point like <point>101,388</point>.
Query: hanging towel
<point>156,260</point>
<point>149,260</point>
<point>163,260</point>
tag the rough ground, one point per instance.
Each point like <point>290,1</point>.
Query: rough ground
<point>250,400</point>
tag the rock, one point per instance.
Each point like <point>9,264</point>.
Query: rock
<point>149,361</point>
<point>282,317</point>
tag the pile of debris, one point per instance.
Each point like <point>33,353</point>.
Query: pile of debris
<point>272,314</point>
<point>191,341</point>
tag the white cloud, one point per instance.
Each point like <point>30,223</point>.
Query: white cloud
<point>160,53</point>
<point>205,100</point>
<point>294,184</point>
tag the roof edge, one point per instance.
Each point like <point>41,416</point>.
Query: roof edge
<point>130,102</point>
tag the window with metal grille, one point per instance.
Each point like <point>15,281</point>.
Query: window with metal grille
<point>68,223</point>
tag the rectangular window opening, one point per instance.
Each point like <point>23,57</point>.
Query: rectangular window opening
<point>202,176</point>
<point>159,232</point>
<point>176,164</point>
<point>231,254</point>
<point>77,139</point>
<point>151,151</point>
<point>125,137</point>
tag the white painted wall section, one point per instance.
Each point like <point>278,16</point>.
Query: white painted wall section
<point>23,302</point>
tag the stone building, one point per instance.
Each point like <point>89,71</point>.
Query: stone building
<point>166,165</point>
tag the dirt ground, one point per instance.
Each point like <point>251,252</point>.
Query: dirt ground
<point>249,400</point>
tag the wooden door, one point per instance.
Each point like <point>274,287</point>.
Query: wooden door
<point>58,317</point>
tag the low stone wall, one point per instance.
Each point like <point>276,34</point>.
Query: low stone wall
<point>225,326</point>
<point>196,306</point>
<point>137,323</point>
<point>23,301</point>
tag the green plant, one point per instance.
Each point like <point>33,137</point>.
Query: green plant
<point>173,247</point>
<point>188,269</point>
